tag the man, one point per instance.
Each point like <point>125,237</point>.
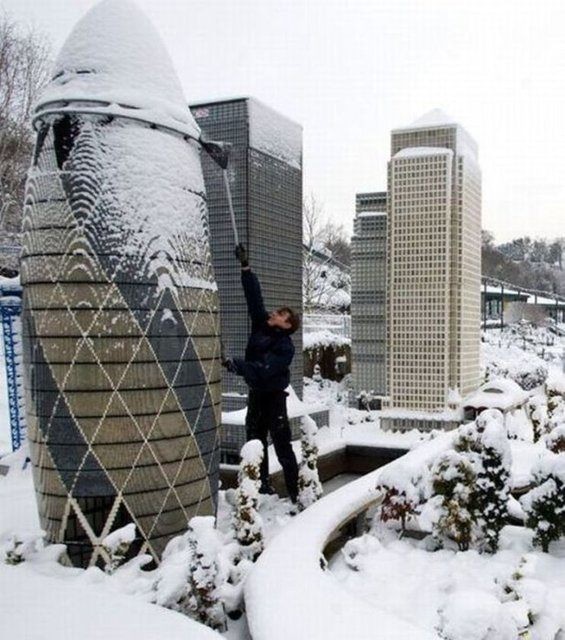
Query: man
<point>265,369</point>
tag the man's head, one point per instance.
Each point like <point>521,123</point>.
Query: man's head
<point>284,318</point>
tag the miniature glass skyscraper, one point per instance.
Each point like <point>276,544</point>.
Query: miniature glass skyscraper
<point>434,253</point>
<point>265,174</point>
<point>368,296</point>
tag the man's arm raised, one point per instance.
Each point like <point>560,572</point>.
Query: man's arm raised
<point>251,288</point>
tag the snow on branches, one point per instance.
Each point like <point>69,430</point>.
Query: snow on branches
<point>202,602</point>
<point>247,521</point>
<point>401,497</point>
<point>309,485</point>
<point>555,391</point>
<point>544,505</point>
<point>116,545</point>
<point>453,480</point>
<point>471,484</point>
<point>486,444</point>
<point>555,439</point>
<point>536,409</point>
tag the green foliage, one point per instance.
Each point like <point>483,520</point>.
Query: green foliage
<point>453,480</point>
<point>545,503</point>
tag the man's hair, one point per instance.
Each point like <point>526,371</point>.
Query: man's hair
<point>293,318</point>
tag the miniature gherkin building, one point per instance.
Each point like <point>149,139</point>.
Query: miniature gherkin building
<point>120,319</point>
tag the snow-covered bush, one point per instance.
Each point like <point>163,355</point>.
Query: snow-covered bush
<point>555,391</point>
<point>471,484</point>
<point>201,573</point>
<point>528,376</point>
<point>474,614</point>
<point>536,408</point>
<point>116,545</point>
<point>485,444</point>
<point>544,505</point>
<point>309,485</point>
<point>532,378</point>
<point>401,497</point>
<point>356,550</point>
<point>555,439</point>
<point>17,549</point>
<point>247,521</point>
<point>453,480</point>
<point>202,602</point>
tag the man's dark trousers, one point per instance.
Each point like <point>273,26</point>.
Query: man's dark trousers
<point>266,415</point>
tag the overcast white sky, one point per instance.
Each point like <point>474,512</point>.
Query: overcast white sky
<point>349,72</point>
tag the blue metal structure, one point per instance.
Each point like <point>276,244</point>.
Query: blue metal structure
<point>10,312</point>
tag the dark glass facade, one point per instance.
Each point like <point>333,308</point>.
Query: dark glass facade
<point>368,295</point>
<point>265,175</point>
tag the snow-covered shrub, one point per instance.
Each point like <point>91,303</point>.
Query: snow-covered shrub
<point>474,614</point>
<point>247,521</point>
<point>485,444</point>
<point>528,376</point>
<point>536,409</point>
<point>18,549</point>
<point>453,481</point>
<point>555,391</point>
<point>233,569</point>
<point>512,593</point>
<point>544,505</point>
<point>555,385</point>
<point>202,602</point>
<point>201,573</point>
<point>309,485</point>
<point>401,497</point>
<point>356,550</point>
<point>532,378</point>
<point>116,545</point>
<point>555,439</point>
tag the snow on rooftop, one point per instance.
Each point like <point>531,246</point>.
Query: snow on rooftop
<point>432,118</point>
<point>501,393</point>
<point>416,152</point>
<point>114,55</point>
<point>371,214</point>
<point>274,135</point>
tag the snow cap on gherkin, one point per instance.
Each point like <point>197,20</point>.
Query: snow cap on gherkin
<point>114,62</point>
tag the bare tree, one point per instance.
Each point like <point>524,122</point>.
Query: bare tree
<point>335,239</point>
<point>24,66</point>
<point>325,284</point>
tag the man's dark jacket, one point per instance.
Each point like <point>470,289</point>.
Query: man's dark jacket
<point>269,350</point>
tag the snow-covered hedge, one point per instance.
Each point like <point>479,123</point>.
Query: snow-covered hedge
<point>544,505</point>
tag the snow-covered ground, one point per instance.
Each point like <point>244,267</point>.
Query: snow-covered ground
<point>521,352</point>
<point>445,588</point>
<point>43,599</point>
<point>462,594</point>
<point>61,599</point>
